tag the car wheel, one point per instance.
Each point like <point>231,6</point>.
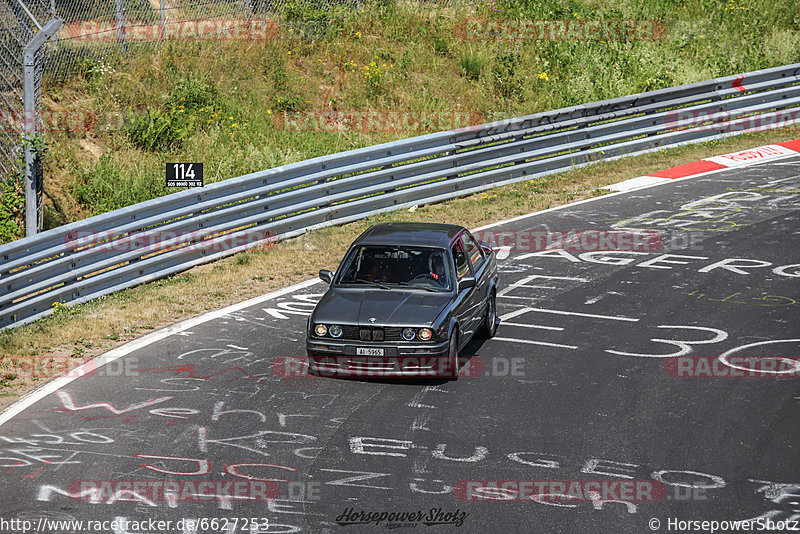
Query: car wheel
<point>490,321</point>
<point>451,368</point>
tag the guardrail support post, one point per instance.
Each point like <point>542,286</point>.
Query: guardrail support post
<point>33,178</point>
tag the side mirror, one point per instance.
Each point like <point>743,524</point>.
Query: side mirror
<point>326,275</point>
<point>466,283</point>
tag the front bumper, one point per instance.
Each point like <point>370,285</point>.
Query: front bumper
<point>340,358</point>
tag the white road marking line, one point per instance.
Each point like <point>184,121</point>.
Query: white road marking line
<point>636,183</point>
<point>421,421</point>
<point>592,315</point>
<point>511,315</point>
<point>539,326</point>
<point>533,342</point>
<point>415,400</point>
<point>517,298</point>
<point>524,282</point>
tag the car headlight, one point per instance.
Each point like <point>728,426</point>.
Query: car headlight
<point>409,334</point>
<point>425,334</point>
<point>335,330</point>
<point>320,330</point>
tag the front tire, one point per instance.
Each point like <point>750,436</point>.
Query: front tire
<point>490,320</point>
<point>451,367</point>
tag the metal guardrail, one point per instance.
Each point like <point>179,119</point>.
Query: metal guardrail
<point>154,239</point>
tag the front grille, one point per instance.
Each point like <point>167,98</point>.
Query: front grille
<point>349,332</point>
<point>394,333</point>
<point>370,333</point>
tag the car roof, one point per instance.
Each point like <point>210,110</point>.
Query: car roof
<point>409,233</point>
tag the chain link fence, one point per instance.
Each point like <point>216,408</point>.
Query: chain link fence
<point>97,28</point>
<point>92,30</point>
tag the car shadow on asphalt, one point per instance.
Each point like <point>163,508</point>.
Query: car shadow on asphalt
<point>469,365</point>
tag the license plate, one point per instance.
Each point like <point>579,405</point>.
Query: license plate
<point>360,351</point>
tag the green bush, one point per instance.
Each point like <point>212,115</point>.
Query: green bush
<point>504,75</point>
<point>471,65</point>
<point>104,188</point>
<point>12,210</point>
<point>307,19</point>
<point>157,130</point>
<point>192,94</point>
<point>289,102</point>
<point>441,47</point>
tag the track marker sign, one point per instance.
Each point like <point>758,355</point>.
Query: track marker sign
<point>184,175</point>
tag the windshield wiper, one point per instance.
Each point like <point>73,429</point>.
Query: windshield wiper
<point>376,284</point>
<point>426,288</point>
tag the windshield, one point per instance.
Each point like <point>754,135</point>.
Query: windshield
<point>396,265</point>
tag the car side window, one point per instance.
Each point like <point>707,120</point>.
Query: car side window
<point>474,252</point>
<point>460,257</point>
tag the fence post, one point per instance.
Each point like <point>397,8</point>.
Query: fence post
<point>120,12</point>
<point>163,17</point>
<point>31,94</point>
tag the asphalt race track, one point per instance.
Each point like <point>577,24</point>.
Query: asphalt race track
<point>578,385</point>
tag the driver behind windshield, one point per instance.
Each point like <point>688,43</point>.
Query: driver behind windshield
<point>437,269</point>
<point>406,266</point>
